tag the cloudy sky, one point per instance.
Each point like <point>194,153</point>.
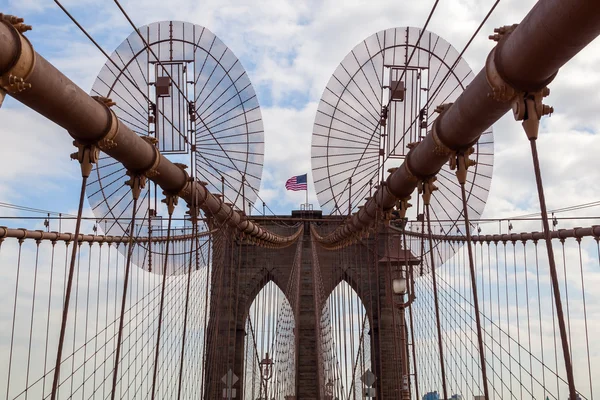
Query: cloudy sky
<point>290,49</point>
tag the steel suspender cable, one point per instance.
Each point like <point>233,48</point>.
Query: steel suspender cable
<point>170,200</point>
<point>462,163</point>
<point>553,274</point>
<point>125,287</point>
<point>435,295</point>
<point>86,156</point>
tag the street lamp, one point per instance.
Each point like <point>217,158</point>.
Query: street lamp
<point>266,369</point>
<point>399,286</point>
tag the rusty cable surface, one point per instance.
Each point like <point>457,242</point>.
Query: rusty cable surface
<point>90,122</point>
<point>70,237</point>
<point>525,60</point>
<point>577,233</point>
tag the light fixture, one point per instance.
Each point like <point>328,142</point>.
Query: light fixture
<point>399,286</point>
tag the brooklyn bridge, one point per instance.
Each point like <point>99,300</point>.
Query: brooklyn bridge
<point>174,277</point>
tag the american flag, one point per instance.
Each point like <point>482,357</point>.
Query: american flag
<point>296,183</point>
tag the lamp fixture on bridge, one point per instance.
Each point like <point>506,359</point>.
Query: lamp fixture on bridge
<point>399,286</point>
<point>266,370</point>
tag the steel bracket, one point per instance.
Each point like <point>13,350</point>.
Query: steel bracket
<point>137,182</point>
<point>171,201</point>
<point>403,206</point>
<point>153,170</point>
<point>459,161</point>
<point>426,187</point>
<point>530,109</point>
<point>14,79</point>
<point>107,142</point>
<point>86,154</point>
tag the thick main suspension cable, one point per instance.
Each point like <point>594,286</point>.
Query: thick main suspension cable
<point>525,56</point>
<point>91,121</point>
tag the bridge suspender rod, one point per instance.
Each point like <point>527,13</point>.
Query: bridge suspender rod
<point>531,123</point>
<point>86,155</point>
<point>171,202</point>
<point>426,188</point>
<point>461,163</point>
<point>410,317</point>
<point>136,182</point>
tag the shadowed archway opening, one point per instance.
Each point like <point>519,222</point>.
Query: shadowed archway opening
<point>270,346</point>
<point>347,343</point>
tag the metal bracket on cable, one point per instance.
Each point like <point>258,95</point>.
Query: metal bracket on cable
<point>193,212</point>
<point>112,129</point>
<point>530,109</point>
<point>440,147</point>
<point>501,89</point>
<point>426,187</point>
<point>14,79</point>
<point>137,182</point>
<point>459,161</point>
<point>86,154</point>
<point>153,170</point>
<point>171,201</point>
<point>402,206</point>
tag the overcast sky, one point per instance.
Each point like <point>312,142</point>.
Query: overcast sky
<point>290,49</point>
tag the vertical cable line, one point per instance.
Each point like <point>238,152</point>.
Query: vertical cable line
<point>552,266</point>
<point>193,211</point>
<point>65,314</point>
<point>461,173</point>
<point>436,300</point>
<point>162,304</point>
<point>124,299</point>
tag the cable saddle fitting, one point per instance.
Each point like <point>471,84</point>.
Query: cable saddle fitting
<point>86,154</point>
<point>14,79</point>
<point>426,187</point>
<point>171,201</point>
<point>460,162</point>
<point>137,182</point>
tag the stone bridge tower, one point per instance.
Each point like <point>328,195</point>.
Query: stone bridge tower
<point>241,270</point>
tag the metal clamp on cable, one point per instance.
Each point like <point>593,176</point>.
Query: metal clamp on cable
<point>153,170</point>
<point>426,187</point>
<point>440,148</point>
<point>530,109</point>
<point>107,141</point>
<point>502,90</point>
<point>14,79</point>
<point>459,161</point>
<point>86,154</point>
<point>137,182</point>
<point>171,201</point>
<point>193,212</point>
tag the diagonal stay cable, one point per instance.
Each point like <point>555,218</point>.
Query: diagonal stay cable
<point>181,92</point>
<point>433,8</point>
<point>135,85</point>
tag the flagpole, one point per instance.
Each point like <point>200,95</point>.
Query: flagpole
<point>307,196</point>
